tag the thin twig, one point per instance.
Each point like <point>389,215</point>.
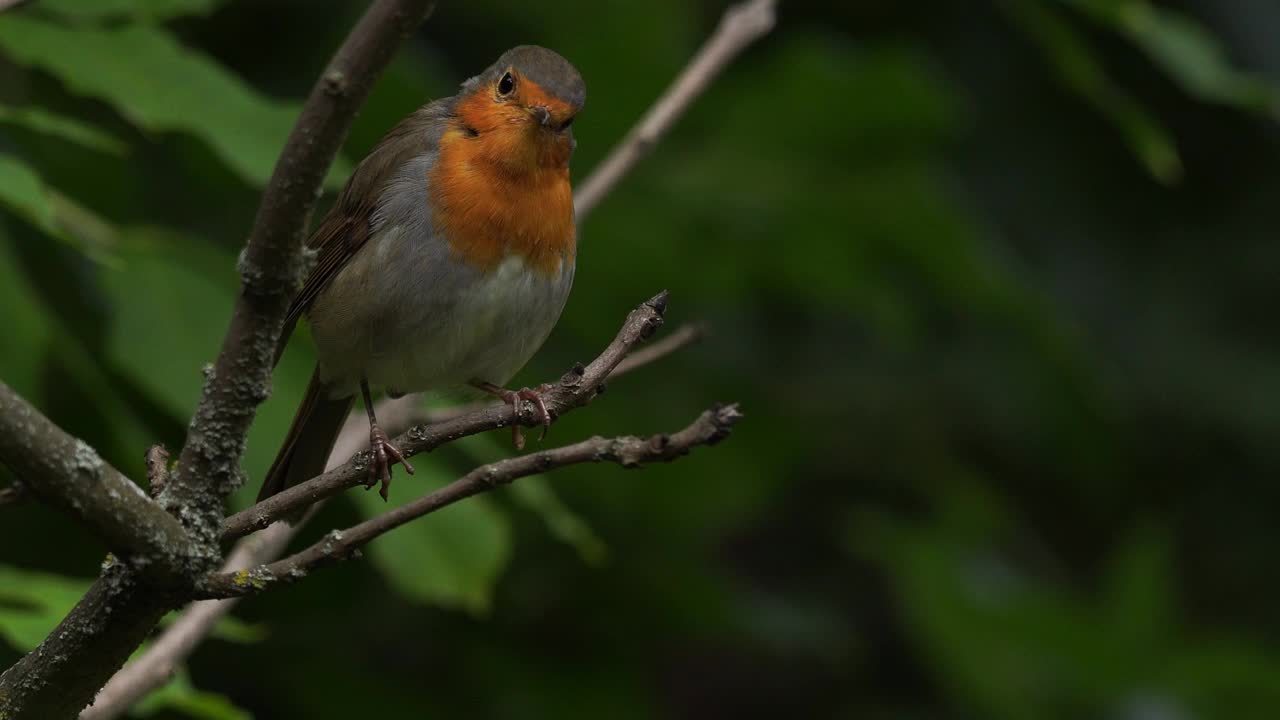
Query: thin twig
<point>684,335</point>
<point>710,427</point>
<point>66,473</point>
<point>740,26</point>
<point>576,388</point>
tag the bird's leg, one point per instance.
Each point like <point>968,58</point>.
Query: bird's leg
<point>513,398</point>
<point>382,453</point>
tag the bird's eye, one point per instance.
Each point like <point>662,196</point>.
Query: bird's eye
<point>565,125</point>
<point>506,84</point>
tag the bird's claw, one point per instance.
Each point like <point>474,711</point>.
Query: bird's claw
<point>533,395</point>
<point>382,455</point>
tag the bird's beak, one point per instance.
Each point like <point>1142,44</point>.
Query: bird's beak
<point>542,113</point>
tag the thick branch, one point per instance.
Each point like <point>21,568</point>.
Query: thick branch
<point>156,666</point>
<point>577,388</point>
<point>60,677</point>
<point>209,469</point>
<point>740,26</point>
<point>68,474</point>
<point>711,427</point>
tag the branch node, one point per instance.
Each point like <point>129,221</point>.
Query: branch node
<point>157,462</point>
<point>13,494</point>
<point>335,83</point>
<point>659,303</point>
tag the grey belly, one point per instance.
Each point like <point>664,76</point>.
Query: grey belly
<point>410,318</point>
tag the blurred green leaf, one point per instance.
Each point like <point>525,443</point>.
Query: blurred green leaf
<point>1184,49</point>
<point>1140,589</point>
<point>179,694</point>
<point>171,297</point>
<point>160,85</point>
<point>58,216</point>
<point>565,525</point>
<point>451,558</point>
<point>153,10</point>
<point>537,495</point>
<point>23,192</point>
<point>28,325</point>
<point>33,603</point>
<point>1013,644</point>
<point>1080,71</point>
<point>61,126</point>
<point>170,309</point>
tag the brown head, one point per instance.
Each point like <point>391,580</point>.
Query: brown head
<point>521,108</point>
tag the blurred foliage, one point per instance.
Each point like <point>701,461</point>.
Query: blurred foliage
<point>31,603</point>
<point>992,280</point>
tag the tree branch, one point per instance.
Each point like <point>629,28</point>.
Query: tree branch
<point>740,26</point>
<point>67,474</point>
<point>13,494</point>
<point>238,382</point>
<point>60,677</point>
<point>576,388</point>
<point>686,334</point>
<point>209,466</point>
<point>156,666</point>
<point>711,427</point>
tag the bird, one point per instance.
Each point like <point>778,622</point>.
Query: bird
<point>444,262</point>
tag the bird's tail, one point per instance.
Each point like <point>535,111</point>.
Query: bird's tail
<point>310,440</point>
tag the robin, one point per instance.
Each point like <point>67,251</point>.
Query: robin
<point>445,261</point>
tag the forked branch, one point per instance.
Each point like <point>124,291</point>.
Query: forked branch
<point>710,427</point>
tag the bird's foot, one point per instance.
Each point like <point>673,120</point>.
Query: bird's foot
<point>382,455</point>
<point>514,398</point>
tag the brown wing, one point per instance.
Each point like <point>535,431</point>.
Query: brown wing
<point>347,225</point>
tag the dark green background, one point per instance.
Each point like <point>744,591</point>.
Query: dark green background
<point>994,283</point>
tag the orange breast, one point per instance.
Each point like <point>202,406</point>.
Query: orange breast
<point>494,195</point>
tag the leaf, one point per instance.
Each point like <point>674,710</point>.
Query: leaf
<point>23,192</point>
<point>173,293</point>
<point>33,603</point>
<point>29,327</point>
<point>55,214</point>
<point>1139,589</point>
<point>1186,51</point>
<point>61,126</point>
<point>453,557</point>
<point>1078,69</point>
<point>160,85</point>
<point>536,494</point>
<point>154,10</point>
<point>180,694</point>
<point>170,298</point>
